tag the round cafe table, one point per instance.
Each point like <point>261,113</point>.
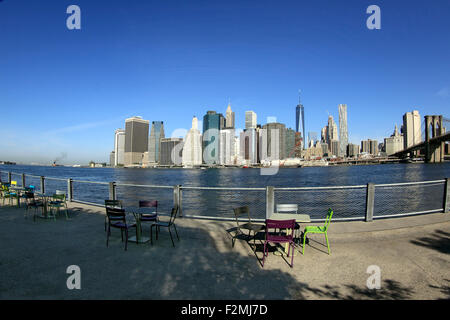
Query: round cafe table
<point>137,212</point>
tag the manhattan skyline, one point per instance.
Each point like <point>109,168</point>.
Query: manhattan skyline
<point>170,61</point>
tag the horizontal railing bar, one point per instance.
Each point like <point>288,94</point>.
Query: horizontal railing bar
<point>86,181</point>
<point>223,188</point>
<point>408,213</point>
<point>51,178</point>
<point>408,183</point>
<point>321,188</point>
<point>143,186</point>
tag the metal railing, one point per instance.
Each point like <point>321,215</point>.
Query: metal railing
<point>357,202</point>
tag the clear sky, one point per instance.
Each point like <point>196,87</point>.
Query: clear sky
<point>64,92</point>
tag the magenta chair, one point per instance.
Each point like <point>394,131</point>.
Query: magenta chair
<point>279,237</point>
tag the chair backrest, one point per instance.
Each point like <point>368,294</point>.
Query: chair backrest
<point>280,224</point>
<point>29,195</point>
<point>114,204</point>
<point>60,192</point>
<point>61,197</point>
<point>173,215</point>
<point>14,183</point>
<point>328,219</point>
<point>115,214</point>
<point>148,204</point>
<point>284,208</point>
<point>241,211</point>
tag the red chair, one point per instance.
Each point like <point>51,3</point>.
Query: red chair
<point>280,236</point>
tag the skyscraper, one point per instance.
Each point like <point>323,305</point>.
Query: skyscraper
<point>274,141</point>
<point>250,120</point>
<point>343,129</point>
<point>168,151</point>
<point>212,124</point>
<point>229,118</point>
<point>300,119</point>
<point>192,149</point>
<point>156,134</point>
<point>290,150</point>
<point>119,148</point>
<point>412,132</point>
<point>226,149</point>
<point>394,143</point>
<point>136,140</point>
<point>249,146</point>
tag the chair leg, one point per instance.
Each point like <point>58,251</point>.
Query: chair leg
<point>304,240</point>
<point>170,233</point>
<point>151,234</point>
<point>264,254</point>
<point>126,239</point>
<point>292,258</point>
<point>107,235</point>
<point>176,232</point>
<point>328,245</point>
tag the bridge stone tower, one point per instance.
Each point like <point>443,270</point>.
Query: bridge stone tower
<point>434,150</point>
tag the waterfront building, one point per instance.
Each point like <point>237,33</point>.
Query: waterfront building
<point>334,148</point>
<point>274,141</point>
<point>212,124</point>
<point>324,147</point>
<point>312,139</point>
<point>119,148</point>
<point>369,146</point>
<point>343,129</point>
<point>249,146</point>
<point>237,147</point>
<point>229,118</point>
<point>365,146</point>
<point>156,134</point>
<point>394,143</point>
<point>250,120</point>
<point>332,131</point>
<point>352,150</point>
<point>314,152</point>
<point>374,147</point>
<point>412,131</point>
<point>136,140</point>
<point>226,147</point>
<point>300,120</point>
<point>112,160</point>
<point>170,152</point>
<point>290,149</point>
<point>323,135</point>
<point>192,149</point>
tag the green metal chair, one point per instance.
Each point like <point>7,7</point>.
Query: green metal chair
<point>58,201</point>
<point>319,229</point>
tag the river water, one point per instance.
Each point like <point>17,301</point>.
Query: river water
<point>346,203</point>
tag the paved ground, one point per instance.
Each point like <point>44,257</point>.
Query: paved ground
<point>413,254</point>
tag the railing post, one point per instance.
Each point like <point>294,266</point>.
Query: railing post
<point>370,201</point>
<point>112,191</point>
<point>270,201</point>
<point>9,177</point>
<point>180,201</point>
<point>23,180</point>
<point>177,198</point>
<point>70,189</point>
<point>447,195</point>
<point>42,184</point>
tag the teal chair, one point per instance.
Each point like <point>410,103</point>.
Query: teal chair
<point>319,229</point>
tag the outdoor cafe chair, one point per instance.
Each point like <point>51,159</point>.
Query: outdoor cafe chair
<point>149,217</point>
<point>7,194</point>
<point>280,236</point>
<point>112,204</point>
<point>117,219</point>
<point>32,202</point>
<point>57,202</point>
<point>290,208</point>
<point>319,229</point>
<point>249,226</point>
<point>168,225</point>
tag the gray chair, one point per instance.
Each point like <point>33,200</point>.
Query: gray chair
<point>248,226</point>
<point>290,208</point>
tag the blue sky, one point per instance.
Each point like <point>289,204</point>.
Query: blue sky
<point>66,91</point>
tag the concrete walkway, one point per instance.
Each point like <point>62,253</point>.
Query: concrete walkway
<point>413,254</point>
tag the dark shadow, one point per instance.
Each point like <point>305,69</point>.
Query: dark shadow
<point>444,290</point>
<point>390,290</point>
<point>440,241</point>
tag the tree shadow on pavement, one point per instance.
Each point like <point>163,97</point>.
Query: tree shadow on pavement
<point>440,241</point>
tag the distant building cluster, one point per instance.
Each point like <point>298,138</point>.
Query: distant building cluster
<point>218,144</point>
